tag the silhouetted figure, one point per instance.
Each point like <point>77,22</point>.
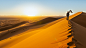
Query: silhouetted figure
<point>68,14</point>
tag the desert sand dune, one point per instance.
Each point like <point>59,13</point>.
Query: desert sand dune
<point>10,32</point>
<point>25,26</point>
<point>56,35</point>
<point>30,29</point>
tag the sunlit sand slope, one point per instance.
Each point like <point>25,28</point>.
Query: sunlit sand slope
<point>55,36</point>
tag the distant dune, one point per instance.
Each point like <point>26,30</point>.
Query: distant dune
<point>43,21</point>
<point>46,20</point>
<point>12,26</point>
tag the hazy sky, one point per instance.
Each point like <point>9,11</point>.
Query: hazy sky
<point>40,7</point>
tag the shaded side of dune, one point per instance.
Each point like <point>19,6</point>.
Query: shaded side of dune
<point>79,30</point>
<point>80,19</point>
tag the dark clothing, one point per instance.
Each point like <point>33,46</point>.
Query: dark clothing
<point>67,16</point>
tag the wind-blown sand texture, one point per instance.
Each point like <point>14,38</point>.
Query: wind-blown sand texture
<point>56,34</point>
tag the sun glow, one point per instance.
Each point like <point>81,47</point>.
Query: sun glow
<point>30,11</point>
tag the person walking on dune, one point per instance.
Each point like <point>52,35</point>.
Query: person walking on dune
<point>68,14</point>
